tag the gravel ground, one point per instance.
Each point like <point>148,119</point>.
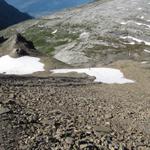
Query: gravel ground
<point>60,113</point>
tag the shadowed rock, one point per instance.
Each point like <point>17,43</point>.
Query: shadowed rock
<point>2,39</point>
<point>18,46</point>
<point>20,39</point>
<point>19,52</point>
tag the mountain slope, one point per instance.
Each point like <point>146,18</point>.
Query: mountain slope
<point>68,112</point>
<point>93,35</point>
<point>9,15</point>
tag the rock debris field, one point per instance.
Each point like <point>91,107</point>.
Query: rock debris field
<point>109,40</point>
<point>59,113</point>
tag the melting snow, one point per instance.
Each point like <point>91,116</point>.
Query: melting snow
<point>135,39</point>
<point>55,31</point>
<point>147,51</point>
<point>105,75</point>
<point>138,23</point>
<point>124,23</point>
<point>142,24</point>
<point>144,62</point>
<point>84,35</point>
<point>20,66</point>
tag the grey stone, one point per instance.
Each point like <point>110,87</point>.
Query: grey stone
<point>3,110</point>
<point>102,129</point>
<point>69,140</point>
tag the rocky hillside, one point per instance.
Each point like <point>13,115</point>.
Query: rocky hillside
<point>71,112</point>
<point>10,15</point>
<point>92,35</point>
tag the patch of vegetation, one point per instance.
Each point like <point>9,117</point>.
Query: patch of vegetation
<point>45,40</point>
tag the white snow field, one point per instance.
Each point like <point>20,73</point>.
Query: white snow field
<point>104,75</point>
<point>20,66</point>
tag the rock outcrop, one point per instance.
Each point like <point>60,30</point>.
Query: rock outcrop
<point>17,46</point>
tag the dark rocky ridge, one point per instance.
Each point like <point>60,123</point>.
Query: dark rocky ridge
<point>9,15</point>
<point>18,46</point>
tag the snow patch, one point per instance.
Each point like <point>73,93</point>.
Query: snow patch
<point>147,51</point>
<point>40,26</point>
<point>20,66</point>
<point>137,23</point>
<point>124,23</point>
<point>105,75</point>
<point>144,62</point>
<point>142,24</point>
<point>84,35</point>
<point>135,39</point>
<point>55,31</point>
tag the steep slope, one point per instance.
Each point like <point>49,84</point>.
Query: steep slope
<point>9,15</point>
<point>93,35</point>
<point>71,113</point>
<point>17,52</point>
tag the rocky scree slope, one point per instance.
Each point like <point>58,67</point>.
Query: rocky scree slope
<point>69,114</point>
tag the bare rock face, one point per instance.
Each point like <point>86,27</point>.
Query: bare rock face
<point>20,39</point>
<point>22,47</point>
<point>18,46</point>
<point>19,52</point>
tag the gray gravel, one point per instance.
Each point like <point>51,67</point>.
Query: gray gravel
<point>67,113</point>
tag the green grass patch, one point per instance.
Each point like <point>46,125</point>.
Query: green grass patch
<point>46,42</point>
